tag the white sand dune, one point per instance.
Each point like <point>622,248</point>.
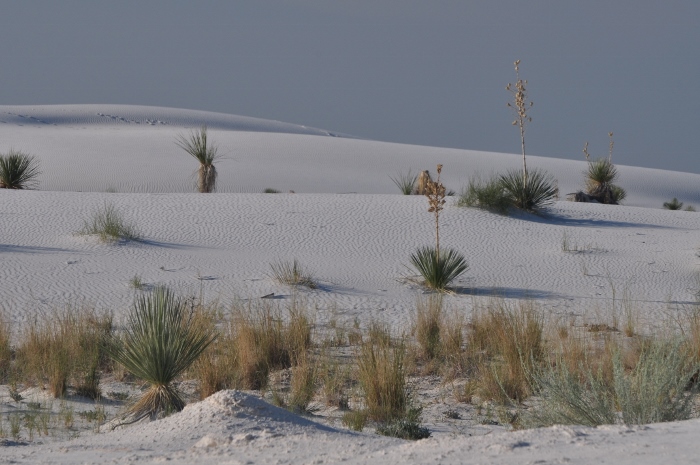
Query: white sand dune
<point>356,245</point>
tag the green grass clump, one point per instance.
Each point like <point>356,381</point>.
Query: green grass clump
<point>438,271</point>
<point>406,182</point>
<point>536,192</point>
<point>487,195</point>
<point>159,343</point>
<point>405,428</point>
<point>18,170</point>
<point>109,225</point>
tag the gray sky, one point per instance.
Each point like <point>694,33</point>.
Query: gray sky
<point>427,72</point>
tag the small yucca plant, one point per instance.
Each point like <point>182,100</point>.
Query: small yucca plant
<point>206,153</point>
<point>539,191</point>
<point>437,271</point>
<point>159,343</point>
<point>601,176</point>
<point>673,204</point>
<point>18,170</point>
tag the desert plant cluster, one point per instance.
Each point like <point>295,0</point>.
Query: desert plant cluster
<point>507,359</point>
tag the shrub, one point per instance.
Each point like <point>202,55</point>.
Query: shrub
<point>270,190</point>
<point>109,225</point>
<point>654,391</point>
<point>159,343</point>
<point>292,274</point>
<point>438,270</point>
<point>206,154</point>
<point>405,182</point>
<point>18,170</point>
<point>651,391</point>
<point>487,195</point>
<point>539,191</point>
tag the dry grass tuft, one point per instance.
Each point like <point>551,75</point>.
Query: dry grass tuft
<point>292,274</point>
<point>66,346</point>
<point>382,375</point>
<point>505,342</point>
<point>254,339</point>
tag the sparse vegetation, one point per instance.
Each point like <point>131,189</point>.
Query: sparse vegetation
<point>292,274</point>
<point>530,194</point>
<point>198,145</point>
<point>159,343</point>
<point>600,180</point>
<point>136,283</point>
<point>653,389</point>
<point>505,343</point>
<point>676,205</point>
<point>485,194</point>
<point>66,347</point>
<point>437,267</point>
<point>406,182</point>
<point>109,225</point>
<point>405,428</point>
<point>18,170</point>
<point>382,375</point>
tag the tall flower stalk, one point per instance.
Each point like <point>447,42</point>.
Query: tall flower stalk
<point>435,192</point>
<point>520,106</point>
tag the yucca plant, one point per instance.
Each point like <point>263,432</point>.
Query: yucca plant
<point>159,343</point>
<point>18,170</point>
<point>405,182</point>
<point>673,204</point>
<point>539,191</point>
<point>438,270</point>
<point>600,178</point>
<point>206,153</point>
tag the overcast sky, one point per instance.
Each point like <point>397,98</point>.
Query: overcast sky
<point>429,72</point>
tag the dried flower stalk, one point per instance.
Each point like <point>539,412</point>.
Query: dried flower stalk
<point>435,192</point>
<point>520,106</point>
